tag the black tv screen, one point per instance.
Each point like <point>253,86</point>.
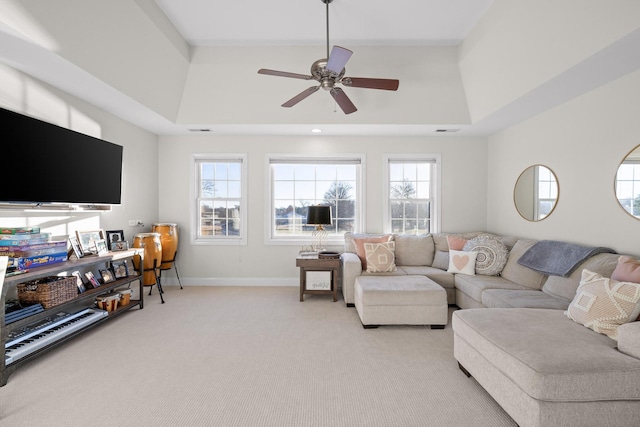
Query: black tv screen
<point>45,163</point>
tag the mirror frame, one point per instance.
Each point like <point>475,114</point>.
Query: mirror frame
<point>615,181</point>
<point>515,204</point>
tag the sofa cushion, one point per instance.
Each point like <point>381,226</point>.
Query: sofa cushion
<point>474,286</point>
<point>441,277</point>
<point>629,339</point>
<point>492,254</point>
<point>519,274</point>
<point>603,304</point>
<point>565,287</point>
<point>627,270</point>
<point>462,262</point>
<point>380,257</point>
<point>529,298</point>
<point>548,356</point>
<point>414,250</point>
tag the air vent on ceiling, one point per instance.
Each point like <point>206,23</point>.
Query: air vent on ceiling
<point>200,130</point>
<point>447,130</point>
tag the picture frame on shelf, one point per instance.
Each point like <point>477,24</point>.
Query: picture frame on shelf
<point>93,282</point>
<point>114,236</point>
<point>79,282</point>
<point>119,269</point>
<point>101,246</point>
<point>87,240</point>
<point>75,247</point>
<point>120,246</point>
<point>107,276</point>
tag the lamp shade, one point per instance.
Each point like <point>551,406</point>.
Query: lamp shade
<point>319,215</point>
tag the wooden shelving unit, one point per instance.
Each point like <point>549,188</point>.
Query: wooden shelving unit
<point>82,301</point>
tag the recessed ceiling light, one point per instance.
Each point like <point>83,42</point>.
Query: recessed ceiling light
<point>316,130</point>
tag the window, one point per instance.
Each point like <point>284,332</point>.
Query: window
<point>412,194</point>
<point>220,199</point>
<point>628,186</point>
<point>547,192</point>
<point>298,182</point>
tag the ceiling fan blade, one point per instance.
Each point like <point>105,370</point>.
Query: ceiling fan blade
<point>284,74</point>
<point>384,84</point>
<point>299,97</point>
<point>338,59</point>
<point>343,100</point>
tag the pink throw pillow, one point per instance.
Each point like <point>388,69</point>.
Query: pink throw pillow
<point>360,251</point>
<point>627,270</point>
<point>456,243</point>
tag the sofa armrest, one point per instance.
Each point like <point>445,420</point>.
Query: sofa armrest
<point>629,339</point>
<point>351,268</point>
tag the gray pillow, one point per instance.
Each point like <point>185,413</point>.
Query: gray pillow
<point>492,254</point>
<point>441,260</point>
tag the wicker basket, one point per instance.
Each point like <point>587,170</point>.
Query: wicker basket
<point>48,291</point>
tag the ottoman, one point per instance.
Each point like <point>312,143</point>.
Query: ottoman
<point>400,300</point>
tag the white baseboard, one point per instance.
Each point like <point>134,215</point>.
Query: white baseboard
<point>232,281</point>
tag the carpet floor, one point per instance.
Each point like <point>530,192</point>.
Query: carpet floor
<point>248,356</point>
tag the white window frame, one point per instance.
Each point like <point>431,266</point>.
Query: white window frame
<point>194,199</point>
<point>436,186</point>
<point>332,240</point>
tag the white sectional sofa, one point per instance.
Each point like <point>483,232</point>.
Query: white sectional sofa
<point>514,338</point>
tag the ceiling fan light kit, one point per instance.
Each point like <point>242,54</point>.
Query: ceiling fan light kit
<point>329,72</point>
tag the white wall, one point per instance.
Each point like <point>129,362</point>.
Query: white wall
<point>21,93</point>
<point>519,45</point>
<point>582,141</point>
<point>464,193</point>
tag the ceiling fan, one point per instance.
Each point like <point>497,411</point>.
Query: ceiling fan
<point>329,72</point>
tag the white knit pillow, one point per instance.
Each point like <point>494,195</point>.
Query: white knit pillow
<point>603,304</point>
<point>380,257</point>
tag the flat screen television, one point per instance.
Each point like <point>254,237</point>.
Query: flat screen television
<point>45,163</point>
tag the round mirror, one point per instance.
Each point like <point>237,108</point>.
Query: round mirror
<point>627,184</point>
<point>536,193</point>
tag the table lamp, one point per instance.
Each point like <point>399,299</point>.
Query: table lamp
<point>319,215</point>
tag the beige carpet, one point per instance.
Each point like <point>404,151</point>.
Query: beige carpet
<point>247,356</point>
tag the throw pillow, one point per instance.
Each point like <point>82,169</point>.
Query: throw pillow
<point>380,257</point>
<point>360,241</point>
<point>441,260</point>
<point>492,254</point>
<point>462,262</point>
<point>456,243</point>
<point>603,304</point>
<point>627,270</point>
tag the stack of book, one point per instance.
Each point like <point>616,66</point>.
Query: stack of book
<point>27,248</point>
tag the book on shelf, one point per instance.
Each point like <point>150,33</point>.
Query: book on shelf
<point>19,230</point>
<point>23,239</point>
<point>25,251</point>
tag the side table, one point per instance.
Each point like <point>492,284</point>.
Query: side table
<point>312,264</point>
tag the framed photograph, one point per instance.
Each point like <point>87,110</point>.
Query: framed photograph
<point>120,246</point>
<point>114,236</point>
<point>79,282</point>
<point>101,246</point>
<point>318,281</point>
<point>93,282</point>
<point>75,246</point>
<point>87,240</point>
<point>119,269</point>
<point>107,276</point>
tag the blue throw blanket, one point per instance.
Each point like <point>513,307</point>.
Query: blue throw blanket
<point>558,258</point>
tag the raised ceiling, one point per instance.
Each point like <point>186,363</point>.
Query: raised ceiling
<point>302,22</point>
<point>174,65</point>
